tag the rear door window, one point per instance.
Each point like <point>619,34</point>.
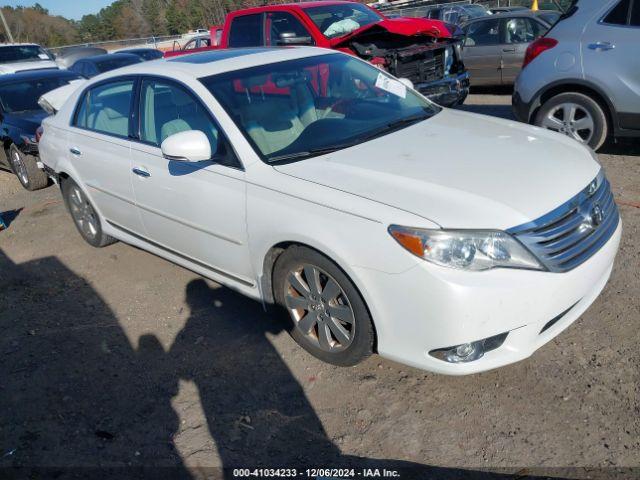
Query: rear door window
<point>106,108</point>
<point>483,33</point>
<point>520,30</point>
<point>247,31</point>
<point>634,19</point>
<point>619,14</point>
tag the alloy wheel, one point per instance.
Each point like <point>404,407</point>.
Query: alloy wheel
<point>19,167</point>
<point>319,308</point>
<point>83,212</point>
<point>572,120</point>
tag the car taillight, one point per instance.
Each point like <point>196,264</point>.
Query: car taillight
<point>537,47</point>
<point>39,132</point>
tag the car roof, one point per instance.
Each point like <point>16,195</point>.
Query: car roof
<point>106,56</point>
<point>514,14</point>
<point>295,6</point>
<point>28,75</point>
<point>19,45</point>
<point>211,62</point>
<point>141,49</point>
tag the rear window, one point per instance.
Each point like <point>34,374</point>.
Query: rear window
<point>23,53</point>
<point>23,96</point>
<point>116,62</point>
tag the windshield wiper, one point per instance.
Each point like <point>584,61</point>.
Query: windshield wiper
<point>309,153</point>
<point>376,133</point>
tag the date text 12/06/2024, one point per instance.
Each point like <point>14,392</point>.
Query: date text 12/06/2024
<point>344,473</point>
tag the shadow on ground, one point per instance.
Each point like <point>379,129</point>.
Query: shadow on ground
<point>78,400</point>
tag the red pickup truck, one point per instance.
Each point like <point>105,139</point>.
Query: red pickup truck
<point>427,52</point>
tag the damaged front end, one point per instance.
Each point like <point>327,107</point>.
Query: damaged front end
<point>432,62</point>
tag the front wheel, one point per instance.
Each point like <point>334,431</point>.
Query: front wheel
<point>577,116</point>
<point>26,169</point>
<point>84,215</point>
<point>326,313</point>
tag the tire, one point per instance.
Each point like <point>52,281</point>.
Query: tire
<point>26,169</point>
<point>566,112</point>
<point>339,311</point>
<point>84,215</point>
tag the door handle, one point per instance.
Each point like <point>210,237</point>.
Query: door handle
<point>601,46</point>
<point>140,172</point>
<point>508,49</point>
<point>75,151</point>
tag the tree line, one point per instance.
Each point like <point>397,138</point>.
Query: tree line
<point>122,19</point>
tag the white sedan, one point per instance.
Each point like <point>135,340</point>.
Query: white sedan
<point>372,218</point>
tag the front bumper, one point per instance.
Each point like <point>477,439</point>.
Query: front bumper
<point>430,307</point>
<point>451,90</point>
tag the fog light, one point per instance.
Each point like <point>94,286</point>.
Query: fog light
<point>468,352</point>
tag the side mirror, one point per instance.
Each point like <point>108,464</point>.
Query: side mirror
<point>406,82</point>
<point>290,38</point>
<point>187,146</point>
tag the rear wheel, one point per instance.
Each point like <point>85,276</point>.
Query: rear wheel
<point>84,215</point>
<point>577,116</point>
<point>327,315</point>
<point>26,169</point>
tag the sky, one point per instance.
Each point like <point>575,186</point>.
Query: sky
<point>73,9</point>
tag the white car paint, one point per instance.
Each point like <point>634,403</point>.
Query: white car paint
<point>454,170</point>
<point>25,66</point>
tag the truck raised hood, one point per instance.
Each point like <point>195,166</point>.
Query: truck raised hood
<point>407,27</point>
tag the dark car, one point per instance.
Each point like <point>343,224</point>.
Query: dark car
<point>89,67</point>
<point>20,117</point>
<point>145,54</point>
<point>494,46</point>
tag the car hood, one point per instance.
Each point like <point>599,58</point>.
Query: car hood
<point>23,66</point>
<point>459,170</point>
<point>27,121</point>
<point>399,26</point>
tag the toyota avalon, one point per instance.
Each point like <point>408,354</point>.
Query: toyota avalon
<point>373,219</point>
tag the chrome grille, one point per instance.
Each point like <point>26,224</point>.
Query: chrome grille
<point>569,235</point>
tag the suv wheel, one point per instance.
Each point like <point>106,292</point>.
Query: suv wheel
<point>26,169</point>
<point>577,116</point>
<point>84,215</point>
<point>327,315</point>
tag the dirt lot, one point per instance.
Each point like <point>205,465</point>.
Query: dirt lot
<point>114,357</point>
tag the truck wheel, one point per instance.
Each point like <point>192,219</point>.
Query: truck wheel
<point>84,215</point>
<point>26,169</point>
<point>577,116</point>
<point>326,314</point>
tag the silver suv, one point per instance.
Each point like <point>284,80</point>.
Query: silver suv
<point>583,77</point>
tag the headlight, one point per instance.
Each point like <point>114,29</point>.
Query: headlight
<point>466,249</point>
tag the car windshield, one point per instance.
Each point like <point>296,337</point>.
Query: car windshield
<point>116,62</point>
<point>337,20</point>
<point>24,95</point>
<point>23,53</point>
<point>301,108</point>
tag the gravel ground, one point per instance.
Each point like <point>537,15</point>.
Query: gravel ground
<point>114,357</point>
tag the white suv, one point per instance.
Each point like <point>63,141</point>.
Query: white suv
<point>373,218</point>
